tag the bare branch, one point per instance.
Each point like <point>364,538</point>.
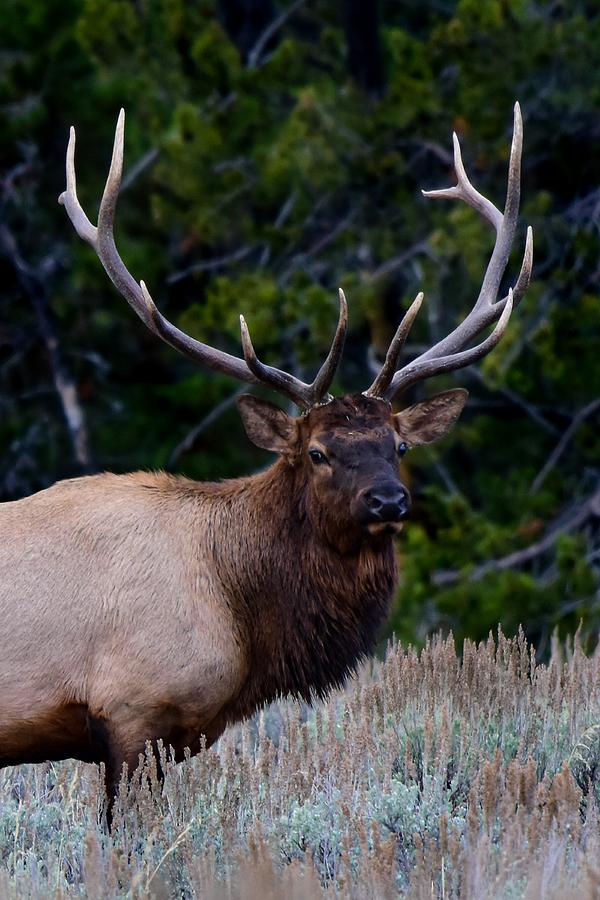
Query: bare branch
<point>270,30</point>
<point>392,265</point>
<point>143,163</point>
<point>425,146</point>
<point>517,399</point>
<point>300,258</point>
<point>563,443</point>
<point>210,265</point>
<point>189,441</point>
<point>590,508</point>
<point>34,288</point>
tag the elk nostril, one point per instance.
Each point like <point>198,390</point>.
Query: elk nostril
<point>403,503</point>
<point>387,502</point>
<point>403,508</point>
<point>373,501</point>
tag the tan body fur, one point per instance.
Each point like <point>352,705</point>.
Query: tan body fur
<point>110,607</point>
<point>146,606</point>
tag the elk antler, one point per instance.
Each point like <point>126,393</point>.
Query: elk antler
<point>138,297</point>
<point>449,353</point>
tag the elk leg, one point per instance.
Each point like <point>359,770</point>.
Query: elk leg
<point>119,755</point>
<point>112,777</point>
<point>125,741</point>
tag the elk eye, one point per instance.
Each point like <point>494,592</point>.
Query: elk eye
<point>402,448</point>
<point>317,457</point>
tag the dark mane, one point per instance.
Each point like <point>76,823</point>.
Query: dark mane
<point>308,614</point>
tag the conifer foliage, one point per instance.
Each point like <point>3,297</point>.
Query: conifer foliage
<point>275,150</point>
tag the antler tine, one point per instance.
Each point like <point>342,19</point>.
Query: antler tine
<point>465,191</point>
<point>522,282</point>
<point>137,295</point>
<point>106,248</point>
<point>388,368</point>
<point>70,201</point>
<point>410,375</point>
<point>450,353</point>
<point>504,223</point>
<point>304,395</point>
<point>507,224</point>
<point>326,373</point>
<point>285,384</point>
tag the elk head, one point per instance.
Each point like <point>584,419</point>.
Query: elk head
<point>347,454</point>
<point>347,449</point>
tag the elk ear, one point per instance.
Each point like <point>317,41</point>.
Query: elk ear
<point>431,419</point>
<point>267,426</point>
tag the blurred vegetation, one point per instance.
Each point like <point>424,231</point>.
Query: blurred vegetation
<point>275,151</point>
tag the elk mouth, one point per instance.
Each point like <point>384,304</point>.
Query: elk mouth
<point>384,527</point>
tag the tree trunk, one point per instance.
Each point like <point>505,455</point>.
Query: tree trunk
<point>245,21</point>
<point>365,58</point>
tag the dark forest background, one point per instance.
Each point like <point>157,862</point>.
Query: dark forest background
<point>276,150</point>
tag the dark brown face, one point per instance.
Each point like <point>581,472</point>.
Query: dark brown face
<point>348,452</point>
<point>352,459</point>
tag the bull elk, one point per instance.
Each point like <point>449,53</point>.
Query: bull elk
<point>145,606</point>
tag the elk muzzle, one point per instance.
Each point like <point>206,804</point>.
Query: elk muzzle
<point>384,505</point>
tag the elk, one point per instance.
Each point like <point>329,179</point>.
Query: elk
<point>144,607</point>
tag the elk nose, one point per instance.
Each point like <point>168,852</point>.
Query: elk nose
<point>388,502</point>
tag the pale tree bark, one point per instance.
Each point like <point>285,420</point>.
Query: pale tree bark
<point>34,288</point>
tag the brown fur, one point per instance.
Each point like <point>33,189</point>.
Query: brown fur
<point>145,606</point>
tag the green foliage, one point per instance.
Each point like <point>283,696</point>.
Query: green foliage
<point>264,187</point>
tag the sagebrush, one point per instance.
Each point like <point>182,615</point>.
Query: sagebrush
<point>436,774</point>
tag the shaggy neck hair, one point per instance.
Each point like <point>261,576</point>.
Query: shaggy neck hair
<point>307,613</point>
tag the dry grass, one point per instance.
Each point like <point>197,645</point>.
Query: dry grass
<point>434,775</point>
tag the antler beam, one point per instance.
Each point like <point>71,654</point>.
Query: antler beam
<point>249,369</point>
<point>449,353</point>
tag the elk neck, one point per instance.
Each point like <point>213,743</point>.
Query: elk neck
<point>307,613</point>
